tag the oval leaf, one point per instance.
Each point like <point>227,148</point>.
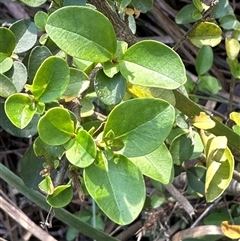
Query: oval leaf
<point>206,33</point>
<point>20,109</point>
<point>51,79</point>
<point>61,196</point>
<point>7,41</point>
<point>6,86</point>
<point>118,188</point>
<point>56,126</point>
<point>157,165</point>
<point>26,35</point>
<point>203,121</point>
<point>231,231</point>
<point>140,135</point>
<point>89,41</point>
<point>147,63</point>
<point>83,151</point>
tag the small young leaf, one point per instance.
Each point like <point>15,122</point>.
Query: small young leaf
<point>209,84</point>
<point>157,165</point>
<point>140,135</point>
<point>83,151</point>
<point>235,116</point>
<point>46,185</point>
<point>61,196</point>
<point>232,48</point>
<point>89,41</point>
<point>51,79</point>
<point>110,90</point>
<point>118,189</point>
<point>206,33</point>
<point>5,63</point>
<point>18,109</point>
<point>26,35</point>
<point>185,15</point>
<point>147,63</point>
<point>204,60</point>
<point>56,127</point>
<point>40,19</point>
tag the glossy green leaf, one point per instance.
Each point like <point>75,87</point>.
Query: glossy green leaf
<point>209,84</point>
<point>140,135</point>
<point>20,109</point>
<point>83,151</point>
<point>51,79</point>
<point>228,21</point>
<point>232,48</point>
<point>78,83</point>
<point>61,196</point>
<point>221,9</point>
<point>185,15</point>
<point>196,178</point>
<point>7,87</point>
<point>157,165</point>
<point>5,63</point>
<point>142,5</point>
<point>46,185</point>
<point>206,33</point>
<point>30,168</point>
<point>29,131</point>
<point>65,29</point>
<point>56,127</point>
<point>18,75</point>
<point>36,58</point>
<point>118,188</point>
<point>181,149</point>
<point>33,3</point>
<point>110,90</point>
<point>26,35</point>
<point>204,59</point>
<point>147,63</point>
<point>7,41</point>
<point>40,20</point>
<point>49,152</point>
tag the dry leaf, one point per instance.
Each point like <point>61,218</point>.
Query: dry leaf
<point>231,231</point>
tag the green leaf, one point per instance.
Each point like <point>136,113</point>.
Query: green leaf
<point>157,165</point>
<point>5,63</point>
<point>46,185</point>
<point>209,84</point>
<point>185,15</point>
<point>26,35</point>
<point>33,3</point>
<point>221,9</point>
<point>147,63</point>
<point>196,178</point>
<point>181,149</point>
<point>51,79</point>
<point>142,5</point>
<point>87,108</point>
<point>29,131</point>
<point>140,135</point>
<point>236,129</point>
<point>234,67</point>
<point>20,109</point>
<point>206,33</point>
<point>61,196</point>
<point>18,75</point>
<point>40,20</point>
<point>49,152</point>
<point>7,87</point>
<point>36,58</point>
<point>204,59</point>
<point>78,83</point>
<point>7,41</point>
<point>56,127</point>
<point>118,188</point>
<point>89,41</point>
<point>110,90</point>
<point>83,151</point>
<point>228,21</point>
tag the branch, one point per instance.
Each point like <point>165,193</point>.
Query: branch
<point>122,31</point>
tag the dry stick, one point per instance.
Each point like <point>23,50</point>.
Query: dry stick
<point>24,221</point>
